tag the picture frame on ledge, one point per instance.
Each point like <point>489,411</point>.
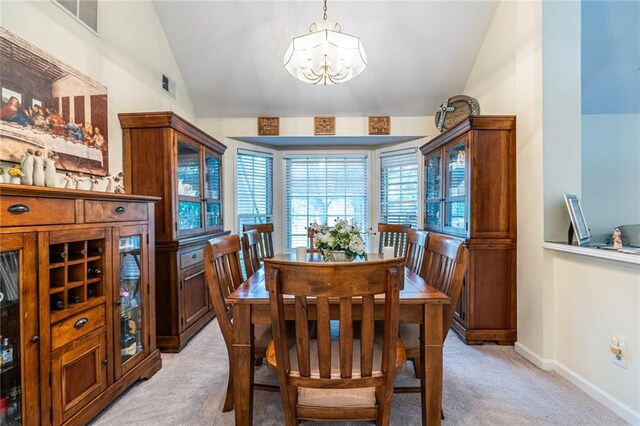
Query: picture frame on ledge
<point>578,224</point>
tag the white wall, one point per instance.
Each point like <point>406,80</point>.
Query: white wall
<point>128,56</point>
<point>569,306</point>
<point>610,171</point>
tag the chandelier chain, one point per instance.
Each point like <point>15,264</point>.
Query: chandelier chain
<point>325,10</point>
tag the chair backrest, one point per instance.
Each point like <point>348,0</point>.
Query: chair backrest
<point>223,275</point>
<point>321,281</point>
<point>446,264</point>
<point>393,235</point>
<point>416,247</point>
<point>311,235</point>
<point>251,251</point>
<point>266,238</point>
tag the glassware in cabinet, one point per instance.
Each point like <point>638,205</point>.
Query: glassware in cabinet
<point>130,288</point>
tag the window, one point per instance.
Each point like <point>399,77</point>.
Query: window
<point>399,187</point>
<point>85,11</point>
<point>254,188</point>
<point>322,189</point>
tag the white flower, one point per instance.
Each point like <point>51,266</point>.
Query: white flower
<point>323,238</point>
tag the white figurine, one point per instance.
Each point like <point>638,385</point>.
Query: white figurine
<point>38,169</point>
<point>617,240</point>
<point>94,183</point>
<point>50,170</point>
<point>69,181</point>
<point>80,181</point>
<point>27,167</point>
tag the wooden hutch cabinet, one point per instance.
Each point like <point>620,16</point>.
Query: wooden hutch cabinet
<point>77,312</point>
<point>470,193</point>
<point>168,157</point>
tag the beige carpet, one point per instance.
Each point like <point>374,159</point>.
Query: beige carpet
<point>483,385</point>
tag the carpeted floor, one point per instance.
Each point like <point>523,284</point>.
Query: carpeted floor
<point>483,385</point>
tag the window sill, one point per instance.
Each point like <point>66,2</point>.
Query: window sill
<point>593,252</point>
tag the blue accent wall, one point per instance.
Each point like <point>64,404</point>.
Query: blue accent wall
<point>610,57</point>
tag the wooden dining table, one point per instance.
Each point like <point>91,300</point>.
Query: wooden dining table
<point>419,304</point>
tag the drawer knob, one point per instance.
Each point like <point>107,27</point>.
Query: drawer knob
<point>194,255</point>
<point>105,361</point>
<point>18,208</point>
<point>81,323</point>
<point>120,210</point>
<point>35,339</point>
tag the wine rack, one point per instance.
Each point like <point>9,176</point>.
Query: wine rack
<point>75,276</point>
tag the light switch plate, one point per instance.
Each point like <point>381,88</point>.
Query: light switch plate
<point>620,361</point>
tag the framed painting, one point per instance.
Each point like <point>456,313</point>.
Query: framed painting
<point>324,126</point>
<point>379,125</point>
<point>268,126</point>
<point>51,107</point>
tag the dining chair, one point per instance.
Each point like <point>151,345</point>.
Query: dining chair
<point>328,379</point>
<point>393,235</point>
<point>251,251</point>
<point>446,262</point>
<point>223,276</point>
<point>416,249</point>
<point>266,237</point>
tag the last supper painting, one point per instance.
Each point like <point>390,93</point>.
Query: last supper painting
<point>49,106</point>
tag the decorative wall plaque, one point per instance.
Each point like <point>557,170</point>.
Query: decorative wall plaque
<point>455,110</point>
<point>324,125</point>
<point>380,125</point>
<point>268,126</point>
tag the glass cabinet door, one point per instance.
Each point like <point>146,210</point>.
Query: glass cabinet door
<point>433,189</point>
<point>18,395</point>
<point>455,193</point>
<point>212,198</point>
<point>189,190</point>
<point>130,328</point>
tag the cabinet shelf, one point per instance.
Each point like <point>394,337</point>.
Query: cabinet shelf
<point>93,258</point>
<point>8,303</point>
<point>75,284</point>
<point>74,308</point>
<point>56,265</point>
<point>5,369</point>
<point>75,262</point>
<point>94,280</point>
<point>56,290</point>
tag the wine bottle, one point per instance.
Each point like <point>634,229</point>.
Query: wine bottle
<point>127,340</point>
<point>77,253</point>
<point>74,299</point>
<point>57,256</point>
<point>95,250</point>
<point>94,272</point>
<point>91,292</point>
<point>56,304</point>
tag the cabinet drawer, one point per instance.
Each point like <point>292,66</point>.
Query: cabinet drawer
<point>191,258</point>
<point>109,211</point>
<point>17,211</point>
<point>76,326</point>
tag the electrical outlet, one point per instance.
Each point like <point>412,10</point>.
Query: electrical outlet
<point>619,351</point>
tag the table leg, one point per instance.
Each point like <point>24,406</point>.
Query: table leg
<point>431,357</point>
<point>242,364</point>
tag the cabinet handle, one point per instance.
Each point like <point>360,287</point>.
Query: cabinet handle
<point>118,303</point>
<point>105,361</point>
<point>18,208</point>
<point>120,210</point>
<point>81,323</point>
<point>194,255</point>
<point>35,339</point>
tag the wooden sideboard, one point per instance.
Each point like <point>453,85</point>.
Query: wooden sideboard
<point>470,193</point>
<point>78,305</point>
<point>166,156</point>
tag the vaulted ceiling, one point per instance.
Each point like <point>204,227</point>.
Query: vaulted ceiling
<point>230,54</point>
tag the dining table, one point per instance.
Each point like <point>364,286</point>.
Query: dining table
<point>420,304</point>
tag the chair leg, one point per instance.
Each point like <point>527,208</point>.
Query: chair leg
<point>417,367</point>
<point>228,400</point>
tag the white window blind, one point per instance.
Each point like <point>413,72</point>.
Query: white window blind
<point>254,188</point>
<point>399,188</point>
<point>322,189</point>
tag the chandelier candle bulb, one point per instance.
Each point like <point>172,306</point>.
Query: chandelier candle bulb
<point>388,252</point>
<point>301,254</point>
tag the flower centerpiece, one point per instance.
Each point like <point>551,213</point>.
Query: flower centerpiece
<point>340,243</point>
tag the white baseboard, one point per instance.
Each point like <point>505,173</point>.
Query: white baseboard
<point>545,364</point>
<point>624,411</point>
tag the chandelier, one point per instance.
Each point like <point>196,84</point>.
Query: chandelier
<point>325,55</point>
